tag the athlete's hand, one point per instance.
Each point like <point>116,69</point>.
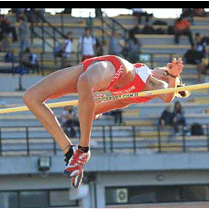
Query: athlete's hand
<point>175,67</point>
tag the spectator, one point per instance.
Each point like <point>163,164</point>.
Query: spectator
<point>188,12</point>
<point>191,56</point>
<point>66,48</point>
<point>182,27</point>
<point>200,47</point>
<point>23,35</point>
<point>139,13</point>
<point>30,61</point>
<point>116,44</point>
<point>132,49</point>
<point>179,119</point>
<point>7,34</point>
<point>87,44</point>
<point>18,12</point>
<point>166,119</point>
<point>69,120</point>
<point>197,55</point>
<point>200,12</point>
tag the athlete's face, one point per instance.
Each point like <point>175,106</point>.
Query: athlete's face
<point>161,74</point>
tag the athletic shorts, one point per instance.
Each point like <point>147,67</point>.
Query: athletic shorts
<point>110,58</point>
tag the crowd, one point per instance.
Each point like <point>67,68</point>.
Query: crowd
<point>90,45</point>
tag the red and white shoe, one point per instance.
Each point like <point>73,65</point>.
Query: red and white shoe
<point>76,180</point>
<point>77,162</point>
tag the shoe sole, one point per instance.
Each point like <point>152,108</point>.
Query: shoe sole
<point>76,181</point>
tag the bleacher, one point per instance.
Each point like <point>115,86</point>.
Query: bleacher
<point>144,117</point>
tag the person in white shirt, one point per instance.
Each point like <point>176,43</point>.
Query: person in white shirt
<point>87,44</point>
<point>67,49</point>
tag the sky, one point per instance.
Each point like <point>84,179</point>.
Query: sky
<point>160,13</point>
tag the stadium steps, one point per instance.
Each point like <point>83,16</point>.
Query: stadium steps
<point>166,147</point>
<point>152,134</point>
<point>138,123</point>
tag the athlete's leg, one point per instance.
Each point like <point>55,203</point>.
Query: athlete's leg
<point>108,106</point>
<point>55,85</point>
<point>98,76</point>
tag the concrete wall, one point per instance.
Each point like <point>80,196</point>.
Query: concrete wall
<point>111,162</point>
<point>115,169</point>
<point>11,83</point>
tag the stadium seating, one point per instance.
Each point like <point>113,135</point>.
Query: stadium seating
<point>145,117</point>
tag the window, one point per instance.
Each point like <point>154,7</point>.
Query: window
<point>8,200</point>
<point>58,198</point>
<point>33,199</point>
<point>36,199</point>
<point>156,194</point>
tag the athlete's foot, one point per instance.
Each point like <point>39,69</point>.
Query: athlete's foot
<point>77,162</point>
<point>76,180</point>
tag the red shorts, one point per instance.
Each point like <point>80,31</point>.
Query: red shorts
<point>112,59</point>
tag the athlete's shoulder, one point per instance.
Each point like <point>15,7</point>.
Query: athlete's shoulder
<point>143,71</point>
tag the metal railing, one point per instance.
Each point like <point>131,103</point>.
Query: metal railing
<point>34,140</point>
<point>44,60</point>
<point>46,31</point>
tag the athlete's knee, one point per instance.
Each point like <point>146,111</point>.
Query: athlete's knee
<point>85,82</point>
<point>29,97</point>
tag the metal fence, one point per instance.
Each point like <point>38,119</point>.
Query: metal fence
<point>34,140</point>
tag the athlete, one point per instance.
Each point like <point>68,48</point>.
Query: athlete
<point>104,73</point>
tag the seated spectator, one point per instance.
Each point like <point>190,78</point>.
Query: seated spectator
<point>200,47</point>
<point>69,120</point>
<point>202,69</point>
<point>66,49</point>
<point>179,119</point>
<point>191,56</point>
<point>188,12</point>
<point>199,12</point>
<point>30,61</point>
<point>9,57</point>
<point>166,119</point>
<point>182,27</point>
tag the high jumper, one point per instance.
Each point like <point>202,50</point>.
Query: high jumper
<point>105,73</point>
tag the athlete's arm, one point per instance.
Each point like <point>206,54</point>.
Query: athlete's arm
<point>155,84</point>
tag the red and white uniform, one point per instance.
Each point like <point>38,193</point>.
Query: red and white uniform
<point>137,85</point>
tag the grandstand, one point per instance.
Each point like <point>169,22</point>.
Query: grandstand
<point>134,164</point>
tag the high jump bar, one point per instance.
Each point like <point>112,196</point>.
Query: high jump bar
<point>110,98</point>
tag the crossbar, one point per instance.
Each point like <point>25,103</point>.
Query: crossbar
<point>117,97</point>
